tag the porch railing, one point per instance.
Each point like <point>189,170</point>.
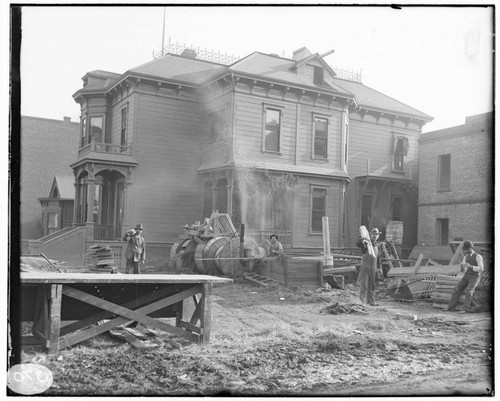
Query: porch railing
<point>103,232</point>
<point>101,147</point>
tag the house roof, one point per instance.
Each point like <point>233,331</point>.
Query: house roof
<point>374,100</point>
<point>179,68</point>
<point>192,71</point>
<point>65,185</point>
<point>281,69</point>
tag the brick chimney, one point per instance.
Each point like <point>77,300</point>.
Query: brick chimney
<point>301,54</point>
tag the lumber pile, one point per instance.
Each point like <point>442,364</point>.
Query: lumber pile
<point>99,258</point>
<point>445,286</point>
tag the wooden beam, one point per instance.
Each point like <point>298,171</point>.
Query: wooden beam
<point>81,336</point>
<point>160,294</point>
<point>205,312</point>
<point>55,316</point>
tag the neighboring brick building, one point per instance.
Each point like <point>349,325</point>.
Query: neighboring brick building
<point>456,182</point>
<point>47,149</point>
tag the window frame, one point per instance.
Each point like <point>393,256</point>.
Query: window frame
<point>222,113</point>
<point>396,138</point>
<point>90,135</point>
<point>84,139</point>
<point>440,172</point>
<point>312,210</point>
<point>124,126</point>
<point>439,230</point>
<point>316,116</point>
<point>279,109</point>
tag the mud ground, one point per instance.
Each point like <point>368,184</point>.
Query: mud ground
<point>276,341</point>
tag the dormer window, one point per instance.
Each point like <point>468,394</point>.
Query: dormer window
<point>318,76</point>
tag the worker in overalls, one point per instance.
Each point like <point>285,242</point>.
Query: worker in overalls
<point>368,268</point>
<point>473,266</point>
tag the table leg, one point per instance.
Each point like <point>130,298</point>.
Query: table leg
<point>205,312</point>
<point>55,316</point>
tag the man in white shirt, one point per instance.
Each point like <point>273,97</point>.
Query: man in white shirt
<point>473,267</point>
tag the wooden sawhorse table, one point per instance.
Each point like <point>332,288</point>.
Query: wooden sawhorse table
<point>83,299</point>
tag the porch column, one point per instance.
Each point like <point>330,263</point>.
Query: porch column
<point>89,224</point>
<point>126,223</point>
<point>214,194</point>
<point>76,202</point>
<point>229,188</point>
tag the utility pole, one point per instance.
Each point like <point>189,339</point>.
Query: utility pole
<point>163,33</point>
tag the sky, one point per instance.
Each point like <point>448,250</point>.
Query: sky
<point>438,60</point>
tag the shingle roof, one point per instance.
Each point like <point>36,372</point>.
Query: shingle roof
<point>179,69</point>
<point>65,186</point>
<point>373,99</point>
<point>276,68</point>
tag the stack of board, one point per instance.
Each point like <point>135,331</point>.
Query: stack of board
<point>99,258</point>
<point>445,286</point>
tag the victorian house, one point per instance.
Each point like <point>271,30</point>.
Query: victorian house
<point>277,143</point>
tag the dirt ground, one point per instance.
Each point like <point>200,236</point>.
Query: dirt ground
<point>277,341</point>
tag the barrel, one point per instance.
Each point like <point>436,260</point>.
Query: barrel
<point>394,232</point>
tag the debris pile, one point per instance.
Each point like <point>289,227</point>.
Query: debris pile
<point>338,309</point>
<point>99,258</point>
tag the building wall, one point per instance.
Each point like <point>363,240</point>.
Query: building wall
<point>48,147</point>
<point>302,236</point>
<point>165,191</point>
<point>296,144</point>
<point>469,203</point>
<point>371,153</point>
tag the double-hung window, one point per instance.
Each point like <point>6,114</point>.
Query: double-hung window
<point>401,146</point>
<point>318,209</point>
<point>444,171</point>
<point>217,124</point>
<point>123,130</point>
<point>320,132</point>
<point>84,138</point>
<point>96,128</point>
<point>272,129</point>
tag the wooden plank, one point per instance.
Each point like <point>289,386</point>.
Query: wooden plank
<point>253,280</point>
<point>190,327</point>
<point>458,255</point>
<point>55,317</point>
<point>162,293</point>
<point>205,312</point>
<point>114,308</point>
<point>108,278</point>
<point>81,336</point>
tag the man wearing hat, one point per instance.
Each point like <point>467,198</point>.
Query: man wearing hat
<point>275,249</point>
<point>136,249</point>
<point>368,267</point>
<point>473,267</point>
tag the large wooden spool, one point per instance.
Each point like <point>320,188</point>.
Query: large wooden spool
<point>211,251</point>
<point>229,261</point>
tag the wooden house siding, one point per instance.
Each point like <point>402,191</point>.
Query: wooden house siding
<point>302,235</point>
<point>371,153</point>
<point>217,152</point>
<point>248,129</point>
<point>306,137</point>
<point>165,192</point>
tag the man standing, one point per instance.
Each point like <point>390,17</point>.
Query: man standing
<point>275,248</point>
<point>368,267</point>
<point>136,249</point>
<point>473,267</point>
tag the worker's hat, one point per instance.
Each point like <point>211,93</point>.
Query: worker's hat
<point>375,231</point>
<point>468,245</point>
<point>139,227</point>
<point>273,235</point>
